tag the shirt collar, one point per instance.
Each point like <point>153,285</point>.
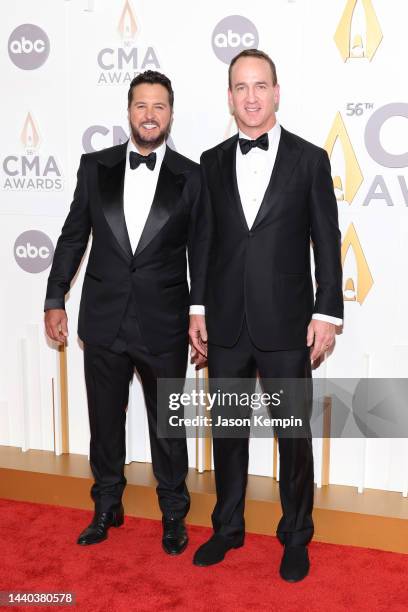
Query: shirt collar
<point>273,134</point>
<point>160,151</point>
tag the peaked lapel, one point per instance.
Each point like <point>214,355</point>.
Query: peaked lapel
<point>111,178</point>
<point>286,159</point>
<point>227,153</point>
<point>168,191</point>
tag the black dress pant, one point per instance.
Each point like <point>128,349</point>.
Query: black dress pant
<point>296,478</point>
<point>108,372</point>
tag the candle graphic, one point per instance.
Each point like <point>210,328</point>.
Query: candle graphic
<point>29,136</point>
<point>127,24</point>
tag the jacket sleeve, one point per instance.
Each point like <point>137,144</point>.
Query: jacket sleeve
<point>71,244</point>
<point>199,239</point>
<point>326,239</point>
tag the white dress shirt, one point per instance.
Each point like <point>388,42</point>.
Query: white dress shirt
<point>138,192</point>
<point>253,175</point>
<point>254,172</point>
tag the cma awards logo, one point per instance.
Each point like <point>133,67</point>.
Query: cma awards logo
<point>348,180</point>
<point>33,251</point>
<point>232,35</point>
<point>358,34</point>
<point>120,65</point>
<point>31,171</point>
<point>348,183</point>
<point>28,46</point>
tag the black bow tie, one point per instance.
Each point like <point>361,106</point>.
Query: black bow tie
<point>135,159</point>
<point>262,142</point>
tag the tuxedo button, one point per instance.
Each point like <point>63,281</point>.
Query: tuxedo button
<point>133,269</point>
<point>250,234</point>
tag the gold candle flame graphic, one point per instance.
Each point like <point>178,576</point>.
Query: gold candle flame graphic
<point>29,135</point>
<point>349,291</point>
<point>127,23</point>
<point>364,279</point>
<point>357,48</point>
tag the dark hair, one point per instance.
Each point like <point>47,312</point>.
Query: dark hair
<point>152,77</point>
<point>254,53</point>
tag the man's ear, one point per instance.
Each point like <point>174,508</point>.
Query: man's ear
<point>230,102</point>
<point>277,96</point>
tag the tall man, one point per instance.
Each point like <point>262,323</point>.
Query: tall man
<point>140,200</point>
<point>266,193</point>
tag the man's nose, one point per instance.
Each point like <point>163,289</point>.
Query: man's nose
<point>149,113</point>
<point>251,94</point>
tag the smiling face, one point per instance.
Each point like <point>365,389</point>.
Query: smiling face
<point>253,96</point>
<point>149,116</point>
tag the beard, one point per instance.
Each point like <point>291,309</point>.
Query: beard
<point>149,143</point>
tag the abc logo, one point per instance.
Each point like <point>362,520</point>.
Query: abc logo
<point>28,46</point>
<point>232,35</point>
<point>33,251</point>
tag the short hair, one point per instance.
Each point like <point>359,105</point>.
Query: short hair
<point>153,77</point>
<point>254,53</point>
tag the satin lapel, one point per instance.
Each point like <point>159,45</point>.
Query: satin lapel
<point>111,182</point>
<point>168,191</point>
<point>286,159</point>
<point>227,162</point>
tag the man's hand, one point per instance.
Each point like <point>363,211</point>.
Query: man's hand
<point>198,334</point>
<point>198,359</point>
<point>321,337</point>
<point>56,324</point>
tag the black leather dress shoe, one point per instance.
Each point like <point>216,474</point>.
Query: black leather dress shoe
<point>97,531</point>
<point>175,538</point>
<point>213,551</point>
<point>295,563</point>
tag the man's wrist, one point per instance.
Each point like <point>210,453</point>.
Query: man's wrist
<point>52,303</point>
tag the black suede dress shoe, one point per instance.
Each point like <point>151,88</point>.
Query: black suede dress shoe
<point>295,563</point>
<point>175,538</point>
<point>97,531</point>
<point>213,551</point>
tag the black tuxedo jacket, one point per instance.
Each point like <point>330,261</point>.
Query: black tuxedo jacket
<point>156,272</point>
<point>264,272</point>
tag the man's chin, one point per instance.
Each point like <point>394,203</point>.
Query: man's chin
<point>149,141</point>
<point>150,134</point>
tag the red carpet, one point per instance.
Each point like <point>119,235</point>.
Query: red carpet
<point>130,572</point>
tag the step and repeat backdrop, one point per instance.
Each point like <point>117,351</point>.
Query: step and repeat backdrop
<point>66,66</point>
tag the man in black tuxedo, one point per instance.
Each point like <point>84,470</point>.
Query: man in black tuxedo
<point>266,194</point>
<point>140,201</point>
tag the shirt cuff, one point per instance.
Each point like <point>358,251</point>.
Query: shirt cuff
<point>327,318</point>
<point>54,303</point>
<point>197,309</point>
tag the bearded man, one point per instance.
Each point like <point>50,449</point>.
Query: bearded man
<point>140,201</point>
